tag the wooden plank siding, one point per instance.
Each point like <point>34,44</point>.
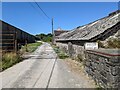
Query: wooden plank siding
<point>8,43</point>
<point>13,38</point>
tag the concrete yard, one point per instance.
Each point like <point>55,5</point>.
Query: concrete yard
<point>43,70</point>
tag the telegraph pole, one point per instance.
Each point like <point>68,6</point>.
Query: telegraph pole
<point>52,33</point>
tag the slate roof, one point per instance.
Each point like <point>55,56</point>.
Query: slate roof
<point>58,32</point>
<point>91,30</point>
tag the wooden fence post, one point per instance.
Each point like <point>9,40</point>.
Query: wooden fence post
<point>26,45</point>
<point>15,41</point>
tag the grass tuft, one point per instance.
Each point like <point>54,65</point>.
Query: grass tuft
<point>30,47</point>
<point>9,59</point>
<point>60,53</point>
<point>79,58</point>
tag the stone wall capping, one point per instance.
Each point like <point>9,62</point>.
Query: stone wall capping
<point>106,52</point>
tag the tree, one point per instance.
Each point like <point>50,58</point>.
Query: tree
<point>45,37</point>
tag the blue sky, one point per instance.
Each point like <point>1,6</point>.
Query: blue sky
<point>67,15</point>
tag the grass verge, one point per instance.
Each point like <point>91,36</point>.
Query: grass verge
<point>30,47</point>
<point>60,53</point>
<point>9,59</point>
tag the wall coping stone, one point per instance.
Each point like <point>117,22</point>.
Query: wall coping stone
<point>105,52</point>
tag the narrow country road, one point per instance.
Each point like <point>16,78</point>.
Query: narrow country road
<point>42,70</point>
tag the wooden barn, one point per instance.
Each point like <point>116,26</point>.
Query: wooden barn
<point>12,38</point>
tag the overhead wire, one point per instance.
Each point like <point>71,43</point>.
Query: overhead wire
<point>39,12</point>
<point>42,10</point>
<point>32,5</point>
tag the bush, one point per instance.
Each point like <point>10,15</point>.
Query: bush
<point>113,43</point>
<point>57,50</point>
<point>45,37</point>
<point>9,59</point>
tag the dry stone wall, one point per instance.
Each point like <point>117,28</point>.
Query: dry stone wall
<point>62,46</point>
<point>102,64</point>
<point>104,67</point>
<point>71,49</point>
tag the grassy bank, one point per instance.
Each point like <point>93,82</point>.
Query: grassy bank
<point>30,47</point>
<point>60,53</point>
<point>11,58</point>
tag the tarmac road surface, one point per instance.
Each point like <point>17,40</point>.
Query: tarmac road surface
<point>42,69</point>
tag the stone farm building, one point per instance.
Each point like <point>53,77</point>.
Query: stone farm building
<point>100,29</point>
<point>103,65</point>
